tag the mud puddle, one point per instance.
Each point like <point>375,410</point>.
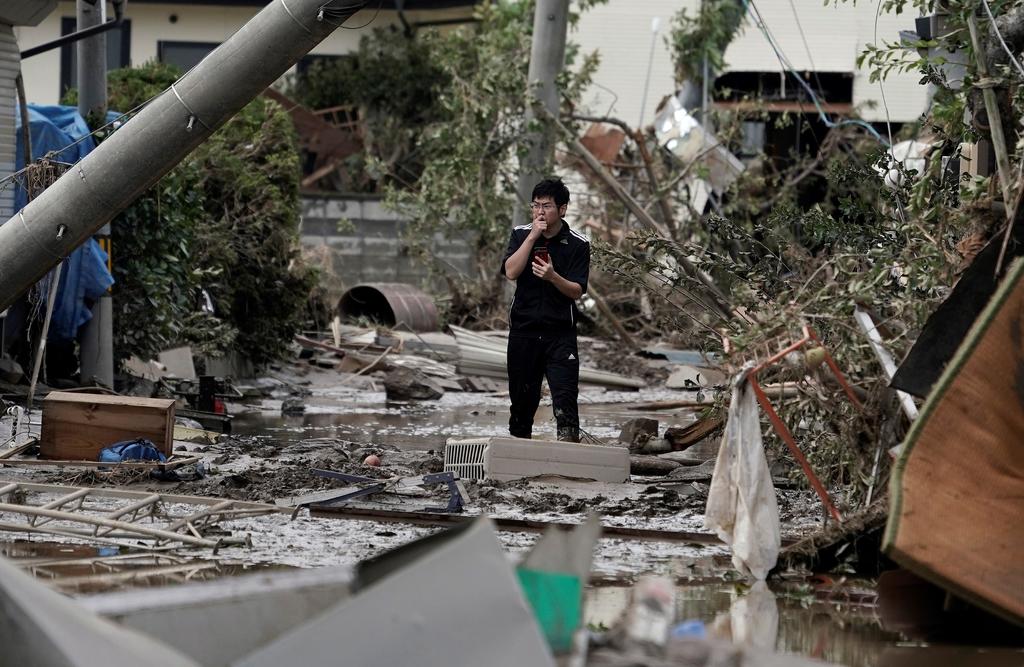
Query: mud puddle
<point>369,418</point>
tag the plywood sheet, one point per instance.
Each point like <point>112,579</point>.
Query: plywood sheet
<point>958,487</point>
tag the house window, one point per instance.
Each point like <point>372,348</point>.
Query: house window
<point>185,55</point>
<point>119,48</point>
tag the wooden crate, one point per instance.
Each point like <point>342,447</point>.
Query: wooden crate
<point>76,426</point>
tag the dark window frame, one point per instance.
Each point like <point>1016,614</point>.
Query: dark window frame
<point>164,44</point>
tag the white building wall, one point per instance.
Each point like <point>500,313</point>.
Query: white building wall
<point>151,24</point>
<point>621,31</point>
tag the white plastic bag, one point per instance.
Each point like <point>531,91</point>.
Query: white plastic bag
<point>741,505</point>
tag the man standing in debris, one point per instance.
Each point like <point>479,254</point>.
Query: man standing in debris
<point>550,264</point>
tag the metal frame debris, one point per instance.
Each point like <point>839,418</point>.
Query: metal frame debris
<point>95,515</point>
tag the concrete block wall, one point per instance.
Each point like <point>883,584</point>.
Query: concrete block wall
<point>356,240</point>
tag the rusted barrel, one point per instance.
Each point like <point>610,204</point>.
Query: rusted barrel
<point>390,304</point>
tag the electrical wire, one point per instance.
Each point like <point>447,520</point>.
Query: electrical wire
<point>1002,41</point>
<point>807,47</point>
<point>881,88</point>
<point>788,66</point>
<point>888,122</point>
<point>326,10</point>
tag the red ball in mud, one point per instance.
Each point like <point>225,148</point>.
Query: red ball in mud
<point>372,460</point>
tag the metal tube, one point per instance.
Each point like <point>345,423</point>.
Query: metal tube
<point>72,38</point>
<point>547,56</point>
<point>97,346</point>
<point>91,65</point>
<point>134,157</point>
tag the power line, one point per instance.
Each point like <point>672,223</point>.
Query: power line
<point>788,66</point>
<point>881,88</point>
<point>807,48</point>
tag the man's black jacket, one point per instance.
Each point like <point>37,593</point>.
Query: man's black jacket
<point>538,306</point>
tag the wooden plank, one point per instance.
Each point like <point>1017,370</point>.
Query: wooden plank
<point>124,465</point>
<point>76,426</point>
<point>14,451</point>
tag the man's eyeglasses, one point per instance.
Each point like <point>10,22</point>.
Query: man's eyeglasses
<point>542,207</point>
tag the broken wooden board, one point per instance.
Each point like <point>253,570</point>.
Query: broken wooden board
<point>76,426</point>
<point>682,437</point>
<point>956,487</point>
<point>195,435</point>
<point>170,464</point>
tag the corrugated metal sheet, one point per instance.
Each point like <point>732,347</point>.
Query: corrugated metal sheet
<point>835,36</point>
<point>25,12</point>
<point>10,60</point>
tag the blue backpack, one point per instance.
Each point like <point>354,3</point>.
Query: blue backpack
<point>139,449</point>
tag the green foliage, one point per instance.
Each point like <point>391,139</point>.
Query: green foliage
<point>391,82</point>
<point>705,35</point>
<point>153,264</point>
<point>224,220</point>
<point>250,180</point>
<point>788,258</point>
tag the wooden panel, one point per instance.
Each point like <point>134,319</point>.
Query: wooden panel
<point>76,426</point>
<point>958,486</point>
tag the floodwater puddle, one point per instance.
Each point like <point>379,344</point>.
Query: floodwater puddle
<point>839,625</point>
<point>81,568</point>
<point>426,426</point>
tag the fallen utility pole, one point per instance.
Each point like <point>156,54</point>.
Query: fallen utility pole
<point>149,145</point>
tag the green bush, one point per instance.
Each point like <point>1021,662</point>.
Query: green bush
<point>225,220</point>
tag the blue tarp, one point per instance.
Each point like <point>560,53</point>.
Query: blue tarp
<point>85,276</point>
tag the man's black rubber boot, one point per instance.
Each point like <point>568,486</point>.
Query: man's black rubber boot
<point>568,434</point>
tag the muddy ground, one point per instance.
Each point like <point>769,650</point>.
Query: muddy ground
<point>272,456</point>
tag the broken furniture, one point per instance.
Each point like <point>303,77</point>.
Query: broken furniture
<point>504,458</point>
<point>115,516</point>
<point>325,141</point>
<point>205,399</point>
<point>780,427</point>
<point>77,425</point>
<point>956,487</point>
<point>363,487</point>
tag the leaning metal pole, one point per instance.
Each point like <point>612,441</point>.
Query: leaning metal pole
<point>149,145</point>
